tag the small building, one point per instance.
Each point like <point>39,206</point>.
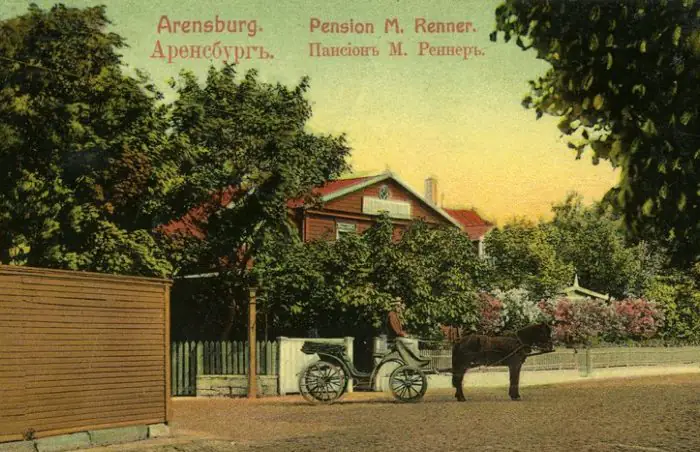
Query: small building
<point>576,292</point>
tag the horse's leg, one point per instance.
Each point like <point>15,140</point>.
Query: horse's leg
<point>459,366</point>
<point>457,382</point>
<point>514,367</point>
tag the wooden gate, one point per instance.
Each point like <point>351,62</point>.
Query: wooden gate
<point>81,351</point>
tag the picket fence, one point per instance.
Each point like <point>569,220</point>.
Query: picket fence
<point>585,360</point>
<point>189,359</point>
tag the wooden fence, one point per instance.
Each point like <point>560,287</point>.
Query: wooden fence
<point>81,351</point>
<point>190,359</point>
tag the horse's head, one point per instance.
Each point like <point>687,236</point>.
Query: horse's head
<point>539,335</point>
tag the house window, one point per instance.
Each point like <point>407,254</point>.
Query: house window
<point>344,228</point>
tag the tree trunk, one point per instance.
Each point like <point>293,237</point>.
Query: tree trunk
<point>230,319</point>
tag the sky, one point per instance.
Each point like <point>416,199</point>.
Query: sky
<point>459,120</point>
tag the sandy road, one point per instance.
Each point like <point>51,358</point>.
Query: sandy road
<point>632,414</point>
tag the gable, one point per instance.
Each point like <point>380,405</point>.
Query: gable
<point>401,203</point>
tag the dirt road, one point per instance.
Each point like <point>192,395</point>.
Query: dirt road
<point>634,414</point>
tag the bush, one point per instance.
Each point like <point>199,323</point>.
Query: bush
<point>518,310</point>
<point>678,296</point>
<point>490,318</point>
<point>578,321</point>
<point>636,318</point>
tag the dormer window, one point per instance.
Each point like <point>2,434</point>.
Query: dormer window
<point>384,192</point>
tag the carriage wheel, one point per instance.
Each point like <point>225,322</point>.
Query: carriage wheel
<point>408,384</point>
<point>322,382</point>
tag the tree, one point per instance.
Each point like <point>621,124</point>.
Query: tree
<point>624,81</point>
<point>593,241</point>
<point>678,295</point>
<point>524,256</point>
<point>348,286</point>
<point>247,142</point>
<point>434,270</point>
<point>84,155</point>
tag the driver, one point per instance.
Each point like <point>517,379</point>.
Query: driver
<point>394,320</point>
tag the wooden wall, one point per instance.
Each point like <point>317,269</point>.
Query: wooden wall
<point>352,203</point>
<point>81,351</point>
<point>348,209</point>
<point>323,226</point>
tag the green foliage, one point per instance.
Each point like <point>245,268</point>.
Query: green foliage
<point>678,295</point>
<point>248,136</point>
<point>593,241</point>
<point>83,148</point>
<point>624,80</point>
<point>524,256</point>
<point>92,161</point>
<point>590,241</point>
<point>348,286</point>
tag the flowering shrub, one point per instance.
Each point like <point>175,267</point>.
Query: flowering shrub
<point>490,319</point>
<point>518,310</point>
<point>579,321</point>
<point>547,309</point>
<point>636,318</point>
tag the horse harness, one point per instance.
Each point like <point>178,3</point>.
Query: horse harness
<point>487,348</point>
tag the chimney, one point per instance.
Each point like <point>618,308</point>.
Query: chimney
<point>431,190</point>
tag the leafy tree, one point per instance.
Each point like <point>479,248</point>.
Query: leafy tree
<point>524,256</point>
<point>85,159</point>
<point>593,241</point>
<point>348,286</point>
<point>678,295</point>
<point>435,272</point>
<point>248,145</point>
<point>624,81</point>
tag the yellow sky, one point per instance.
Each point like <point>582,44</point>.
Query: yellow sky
<point>458,120</point>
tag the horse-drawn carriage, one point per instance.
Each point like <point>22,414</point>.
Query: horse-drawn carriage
<point>326,380</point>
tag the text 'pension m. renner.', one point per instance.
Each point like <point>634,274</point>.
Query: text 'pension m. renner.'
<point>420,25</point>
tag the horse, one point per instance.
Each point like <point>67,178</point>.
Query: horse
<point>508,350</point>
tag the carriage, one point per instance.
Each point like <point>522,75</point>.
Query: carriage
<point>326,380</point>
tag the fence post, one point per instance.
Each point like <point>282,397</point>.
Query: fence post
<point>280,367</point>
<point>200,358</point>
<point>173,369</point>
<point>589,362</point>
<point>349,341</point>
<point>252,344</point>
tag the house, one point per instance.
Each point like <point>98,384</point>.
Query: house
<point>351,205</point>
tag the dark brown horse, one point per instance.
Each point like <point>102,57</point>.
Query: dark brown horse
<point>479,350</point>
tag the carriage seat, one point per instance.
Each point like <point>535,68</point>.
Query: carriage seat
<point>409,355</point>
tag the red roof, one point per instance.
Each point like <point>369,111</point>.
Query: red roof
<point>337,185</point>
<point>330,187</point>
<point>188,225</point>
<point>473,224</point>
<point>467,217</point>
